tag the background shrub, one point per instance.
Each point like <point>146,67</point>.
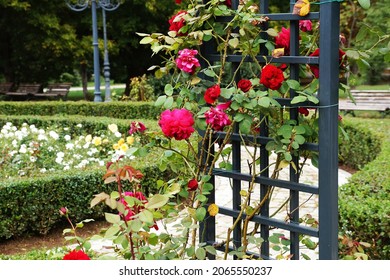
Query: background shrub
<point>364,203</point>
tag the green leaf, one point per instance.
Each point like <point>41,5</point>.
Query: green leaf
<point>200,213</point>
<point>298,99</point>
<point>169,102</point>
<point>200,254</point>
<point>234,42</point>
<point>293,84</point>
<point>245,126</point>
<point>146,40</point>
<point>168,89</point>
<point>264,101</point>
<point>157,201</point>
<point>352,54</point>
<point>300,139</point>
<point>112,218</point>
<point>160,100</point>
<point>365,4</point>
<point>146,216</point>
<point>135,225</point>
<point>112,231</point>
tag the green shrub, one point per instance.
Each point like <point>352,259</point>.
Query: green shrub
<point>361,147</point>
<point>364,203</point>
<point>31,206</point>
<point>119,110</point>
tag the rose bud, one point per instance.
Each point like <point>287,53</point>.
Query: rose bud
<point>192,185</point>
<point>63,211</point>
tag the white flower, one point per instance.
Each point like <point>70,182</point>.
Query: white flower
<point>118,134</point>
<point>41,131</point>
<point>88,138</point>
<point>50,148</point>
<point>59,160</point>
<point>86,145</point>
<point>14,143</point>
<point>33,159</point>
<point>23,149</point>
<point>69,146</point>
<point>60,154</point>
<point>42,137</point>
<point>66,128</point>
<point>66,167</point>
<point>43,170</point>
<point>67,137</point>
<point>54,135</point>
<point>113,128</point>
<point>79,125</point>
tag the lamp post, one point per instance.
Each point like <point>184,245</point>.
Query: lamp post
<point>106,5</point>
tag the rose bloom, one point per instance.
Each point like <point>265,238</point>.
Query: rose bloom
<point>178,2</point>
<point>136,208</point>
<point>137,127</point>
<point>192,185</point>
<point>271,77</point>
<point>244,85</point>
<point>303,111</point>
<point>186,61</point>
<point>76,255</point>
<point>177,124</point>
<point>283,40</point>
<point>218,119</point>
<point>305,25</point>
<point>176,22</point>
<point>316,70</point>
<point>212,94</point>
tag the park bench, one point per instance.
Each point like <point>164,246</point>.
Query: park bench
<point>58,90</point>
<point>5,87</point>
<point>25,90</point>
<point>367,100</point>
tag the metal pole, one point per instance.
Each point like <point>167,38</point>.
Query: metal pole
<point>96,65</point>
<point>328,130</point>
<point>106,64</point>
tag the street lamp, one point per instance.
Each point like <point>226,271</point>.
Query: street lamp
<point>106,5</point>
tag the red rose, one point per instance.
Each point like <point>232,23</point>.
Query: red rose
<point>283,40</point>
<point>244,85</point>
<point>137,127</point>
<point>303,111</point>
<point>76,255</point>
<point>212,94</point>
<point>316,70</point>
<point>177,123</point>
<point>192,185</point>
<point>271,77</point>
<point>178,2</point>
<point>176,22</point>
<point>217,119</point>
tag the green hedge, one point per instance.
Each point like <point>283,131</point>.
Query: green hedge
<point>362,146</point>
<point>364,203</point>
<point>119,110</point>
<point>89,124</point>
<point>31,206</point>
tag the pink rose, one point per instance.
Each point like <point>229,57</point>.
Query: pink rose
<point>177,124</point>
<point>136,127</point>
<point>212,93</point>
<point>305,25</point>
<point>218,119</point>
<point>186,61</point>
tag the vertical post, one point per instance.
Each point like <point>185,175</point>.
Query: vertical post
<point>328,130</point>
<point>294,176</point>
<point>96,65</point>
<point>106,64</point>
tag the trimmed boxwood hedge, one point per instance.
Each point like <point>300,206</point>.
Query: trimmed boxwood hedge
<point>362,146</point>
<point>32,205</point>
<point>364,203</point>
<point>114,109</point>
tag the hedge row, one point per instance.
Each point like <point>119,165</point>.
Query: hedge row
<point>32,205</point>
<point>364,203</point>
<point>361,147</point>
<point>114,109</point>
